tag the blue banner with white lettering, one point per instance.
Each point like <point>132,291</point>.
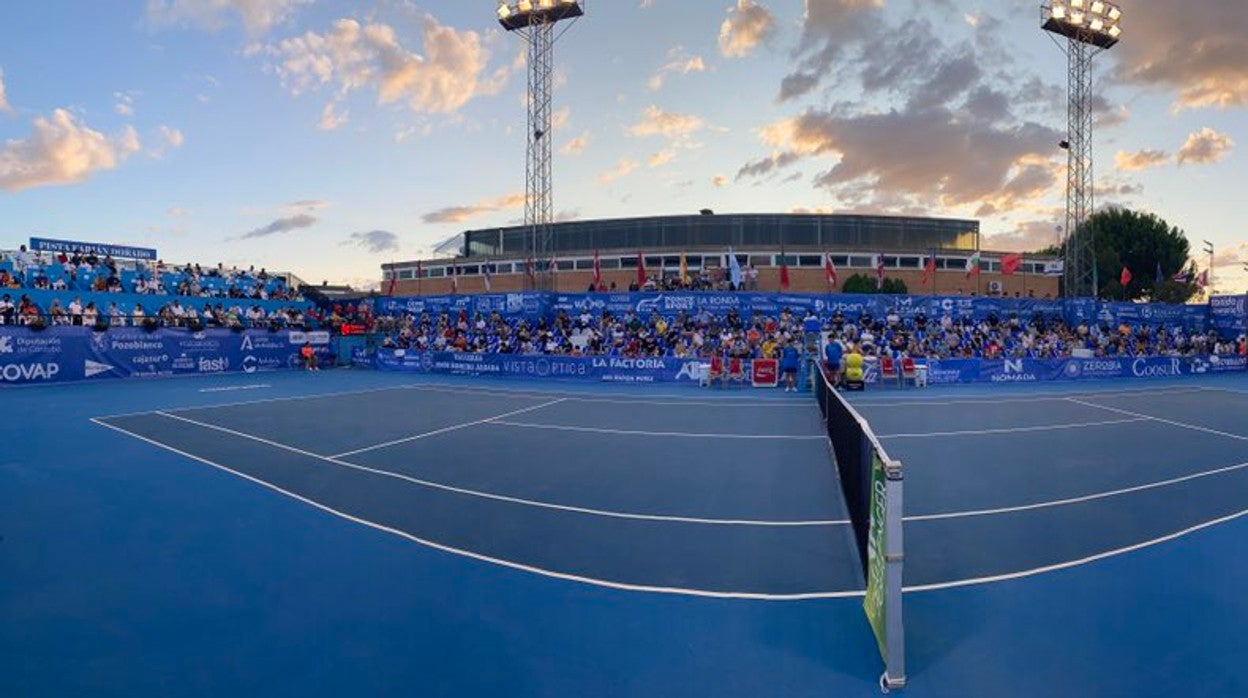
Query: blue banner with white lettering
<point>1041,370</point>
<point>532,306</point>
<point>100,249</point>
<point>1229,315</point>
<point>59,354</point>
<point>610,369</point>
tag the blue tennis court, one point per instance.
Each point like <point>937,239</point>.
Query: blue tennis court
<point>347,532</point>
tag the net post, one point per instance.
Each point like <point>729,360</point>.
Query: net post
<point>894,556</point>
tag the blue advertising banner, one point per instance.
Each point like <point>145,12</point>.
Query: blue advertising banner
<point>1229,314</point>
<point>1040,370</point>
<point>101,249</point>
<point>59,354</point>
<point>610,369</point>
<point>535,305</point>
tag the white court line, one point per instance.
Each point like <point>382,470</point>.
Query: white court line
<point>1011,430</point>
<point>631,432</point>
<point>489,559</point>
<point>1039,397</point>
<point>1075,563</point>
<point>235,388</point>
<point>1078,500</point>
<point>1171,422</point>
<point>444,430</point>
<point>503,498</point>
<point>624,398</point>
<point>682,591</point>
<point>287,398</point>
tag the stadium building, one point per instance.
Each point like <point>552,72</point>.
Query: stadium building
<point>764,241</point>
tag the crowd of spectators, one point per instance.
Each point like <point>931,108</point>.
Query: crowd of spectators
<point>173,313</point>
<point>703,335</point>
<point>86,271</point>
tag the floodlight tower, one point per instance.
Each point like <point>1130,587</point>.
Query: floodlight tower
<point>1089,27</point>
<point>535,21</point>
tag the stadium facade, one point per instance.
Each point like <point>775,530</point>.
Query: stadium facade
<point>761,240</point>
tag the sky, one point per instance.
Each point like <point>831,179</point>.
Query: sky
<point>326,137</point>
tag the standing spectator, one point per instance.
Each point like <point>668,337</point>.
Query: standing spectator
<point>789,358</point>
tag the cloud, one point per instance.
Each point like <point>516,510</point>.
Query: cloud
<point>748,24</point>
<point>828,27</point>
<point>621,169</point>
<point>1140,160</point>
<point>1231,256</point>
<point>577,145</point>
<point>374,241</point>
<point>1196,50</point>
<point>719,181</point>
<point>281,225</point>
<point>61,150</point>
<point>352,56</point>
<point>1205,147</point>
<point>660,158</point>
<point>331,119</point>
<point>560,118</point>
<point>178,212</point>
<point>656,122</point>
<point>922,157</point>
<point>459,214</point>
<point>256,15</point>
<point>677,62</point>
<point>1028,236</point>
<point>4,97</point>
<point>307,205</point>
<point>125,103</point>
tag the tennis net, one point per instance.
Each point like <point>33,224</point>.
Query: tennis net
<point>872,484</point>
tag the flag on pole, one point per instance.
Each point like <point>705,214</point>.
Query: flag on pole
<point>734,270</point>
<point>929,269</point>
<point>597,271</point>
<point>530,271</point>
<point>972,265</point>
<point>684,269</point>
<point>1160,276</point>
<point>1125,277</point>
<point>554,266</point>
<point>489,276</point>
<point>394,279</point>
<point>1203,280</point>
<point>1183,277</point>
<point>829,270</point>
<point>1054,268</point>
<point>1011,263</point>
<point>420,270</point>
<point>454,279</point>
<point>879,271</point>
<point>641,270</point>
<point>784,273</point>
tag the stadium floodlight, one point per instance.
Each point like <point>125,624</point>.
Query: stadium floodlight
<point>535,22</point>
<point>1088,27</point>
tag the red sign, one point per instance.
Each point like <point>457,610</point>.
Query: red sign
<point>765,373</point>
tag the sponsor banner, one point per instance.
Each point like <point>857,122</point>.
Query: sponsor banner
<point>101,249</point>
<point>877,545</point>
<point>59,354</point>
<point>1229,315</point>
<point>608,369</point>
<point>765,373</point>
<point>533,306</point>
<point>1038,370</point>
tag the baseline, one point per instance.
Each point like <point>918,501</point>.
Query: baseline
<point>983,399</point>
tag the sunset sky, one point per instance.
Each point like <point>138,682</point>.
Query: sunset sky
<point>326,137</point>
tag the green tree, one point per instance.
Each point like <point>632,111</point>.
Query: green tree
<point>1141,242</point>
<point>861,283</point>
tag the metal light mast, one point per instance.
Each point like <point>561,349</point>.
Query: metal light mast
<point>1089,27</point>
<point>535,21</point>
